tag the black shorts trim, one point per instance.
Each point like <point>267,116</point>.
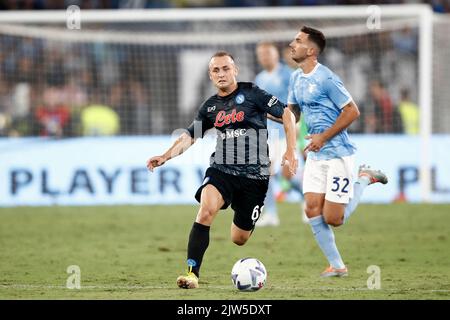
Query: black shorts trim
<point>213,180</point>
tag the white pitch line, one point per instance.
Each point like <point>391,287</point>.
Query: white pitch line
<point>137,287</point>
<point>107,287</point>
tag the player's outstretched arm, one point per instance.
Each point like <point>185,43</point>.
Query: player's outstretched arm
<point>291,141</point>
<point>179,146</point>
<point>349,114</point>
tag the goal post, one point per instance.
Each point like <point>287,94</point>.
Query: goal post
<point>425,97</point>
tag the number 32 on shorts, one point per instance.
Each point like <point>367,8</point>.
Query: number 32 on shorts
<point>340,184</point>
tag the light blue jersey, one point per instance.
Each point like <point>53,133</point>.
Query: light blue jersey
<point>321,96</point>
<point>276,83</point>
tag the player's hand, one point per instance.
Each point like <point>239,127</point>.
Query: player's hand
<point>290,158</point>
<point>154,162</point>
<point>316,143</point>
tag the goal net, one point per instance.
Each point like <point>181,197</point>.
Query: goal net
<point>151,67</point>
<point>145,72</point>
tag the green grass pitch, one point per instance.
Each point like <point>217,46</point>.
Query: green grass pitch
<point>137,252</point>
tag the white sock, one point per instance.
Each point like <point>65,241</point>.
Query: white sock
<point>358,189</point>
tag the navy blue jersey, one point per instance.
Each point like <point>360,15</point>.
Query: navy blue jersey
<point>241,122</point>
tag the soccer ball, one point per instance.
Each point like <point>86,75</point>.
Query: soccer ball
<point>249,274</point>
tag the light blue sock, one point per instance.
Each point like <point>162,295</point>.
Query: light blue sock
<point>358,189</point>
<point>270,206</point>
<point>325,238</point>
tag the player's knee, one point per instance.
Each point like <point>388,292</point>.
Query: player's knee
<point>313,210</point>
<point>334,221</point>
<point>239,240</point>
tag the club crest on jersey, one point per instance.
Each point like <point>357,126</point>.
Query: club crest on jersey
<point>223,118</point>
<point>312,87</point>
<point>240,98</point>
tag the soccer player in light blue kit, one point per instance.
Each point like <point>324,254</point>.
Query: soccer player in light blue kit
<point>275,80</point>
<point>330,195</point>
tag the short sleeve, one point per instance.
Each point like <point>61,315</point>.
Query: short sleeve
<point>269,103</point>
<point>200,124</point>
<point>336,91</point>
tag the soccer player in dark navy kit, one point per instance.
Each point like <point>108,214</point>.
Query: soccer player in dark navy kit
<point>239,171</point>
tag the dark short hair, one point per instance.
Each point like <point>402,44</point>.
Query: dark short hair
<point>222,54</point>
<point>315,36</point>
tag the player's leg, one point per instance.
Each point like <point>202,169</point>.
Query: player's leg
<point>314,187</point>
<point>239,236</point>
<point>248,203</point>
<point>314,204</point>
<point>322,232</point>
<point>339,190</point>
<point>211,202</point>
<point>333,213</point>
<point>214,194</point>
<point>366,176</point>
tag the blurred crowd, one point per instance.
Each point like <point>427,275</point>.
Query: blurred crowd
<point>53,89</point>
<point>49,89</point>
<point>442,6</point>
<point>382,79</point>
<point>64,89</point>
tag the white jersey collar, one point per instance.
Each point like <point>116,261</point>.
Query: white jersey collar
<point>307,75</point>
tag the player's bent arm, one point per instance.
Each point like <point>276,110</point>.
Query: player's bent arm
<point>291,140</point>
<point>271,117</point>
<point>290,129</point>
<point>294,109</point>
<point>350,113</point>
<point>180,145</point>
